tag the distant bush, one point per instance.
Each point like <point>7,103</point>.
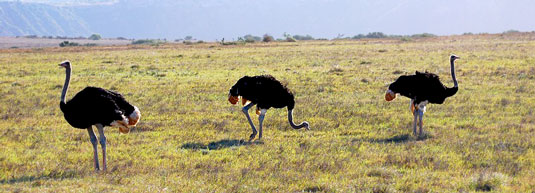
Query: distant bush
<point>267,38</point>
<point>68,44</point>
<point>90,44</point>
<point>376,35</point>
<point>371,35</point>
<point>510,31</point>
<point>405,39</point>
<point>148,41</point>
<point>188,38</point>
<point>290,39</point>
<point>423,35</point>
<point>468,33</point>
<point>31,36</point>
<point>95,37</point>
<point>121,38</point>
<point>402,37</point>
<point>250,38</point>
<point>303,37</point>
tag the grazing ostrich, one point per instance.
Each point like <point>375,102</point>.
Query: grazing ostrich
<point>265,92</point>
<point>422,88</point>
<point>99,107</point>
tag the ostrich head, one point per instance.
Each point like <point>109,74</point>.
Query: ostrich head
<point>234,92</point>
<point>390,95</point>
<point>65,64</point>
<point>395,87</point>
<point>453,57</point>
<point>233,96</point>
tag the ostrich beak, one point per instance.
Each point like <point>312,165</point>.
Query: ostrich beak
<point>233,99</point>
<point>389,96</point>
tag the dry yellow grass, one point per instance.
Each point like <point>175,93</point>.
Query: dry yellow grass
<point>189,138</point>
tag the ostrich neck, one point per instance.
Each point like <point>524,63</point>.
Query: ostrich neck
<point>453,74</point>
<point>290,119</point>
<point>66,85</point>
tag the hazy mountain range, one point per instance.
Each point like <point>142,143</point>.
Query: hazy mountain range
<point>215,19</point>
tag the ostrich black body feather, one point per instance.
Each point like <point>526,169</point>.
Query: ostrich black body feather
<point>95,105</point>
<point>264,91</point>
<point>422,86</point>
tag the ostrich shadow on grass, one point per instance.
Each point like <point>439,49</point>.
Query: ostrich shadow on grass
<point>221,144</point>
<point>401,138</point>
<point>36,178</point>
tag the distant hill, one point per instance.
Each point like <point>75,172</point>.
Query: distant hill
<point>229,19</point>
<point>19,18</point>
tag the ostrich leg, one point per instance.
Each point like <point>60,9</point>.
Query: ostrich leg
<point>416,112</point>
<point>93,140</point>
<point>245,110</point>
<point>102,139</point>
<point>421,113</point>
<point>260,121</point>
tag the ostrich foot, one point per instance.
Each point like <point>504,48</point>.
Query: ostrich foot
<point>252,137</point>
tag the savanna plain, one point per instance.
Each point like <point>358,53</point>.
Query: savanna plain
<point>191,139</point>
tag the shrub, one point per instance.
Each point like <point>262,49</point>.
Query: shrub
<point>67,44</point>
<point>406,39</point>
<point>147,41</point>
<point>376,35</point>
<point>301,37</point>
<point>31,36</point>
<point>95,37</point>
<point>511,31</point>
<point>423,35</point>
<point>250,38</point>
<point>267,38</point>
<point>290,39</point>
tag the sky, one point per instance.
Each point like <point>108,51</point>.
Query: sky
<point>216,19</point>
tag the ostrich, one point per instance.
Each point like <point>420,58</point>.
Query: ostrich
<point>99,107</point>
<point>422,88</point>
<point>265,92</point>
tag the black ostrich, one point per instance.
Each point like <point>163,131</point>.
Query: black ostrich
<point>99,107</point>
<point>265,92</point>
<point>422,88</point>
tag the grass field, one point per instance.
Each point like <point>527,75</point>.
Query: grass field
<point>190,137</point>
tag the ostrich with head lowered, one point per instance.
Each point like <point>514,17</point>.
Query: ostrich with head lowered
<point>264,92</point>
<point>422,88</point>
<point>99,107</point>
